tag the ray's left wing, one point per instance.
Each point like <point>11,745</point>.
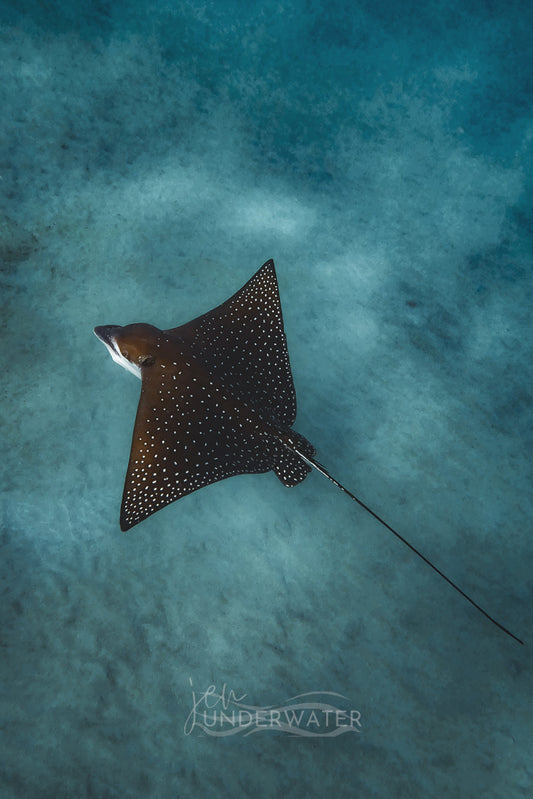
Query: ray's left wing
<point>188,433</point>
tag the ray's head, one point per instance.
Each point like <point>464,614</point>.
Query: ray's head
<point>131,346</point>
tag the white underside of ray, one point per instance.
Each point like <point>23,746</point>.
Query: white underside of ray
<point>120,359</point>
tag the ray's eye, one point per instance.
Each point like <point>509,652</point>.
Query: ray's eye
<point>124,353</point>
<point>146,360</point>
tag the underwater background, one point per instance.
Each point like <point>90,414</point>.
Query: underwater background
<point>153,156</point>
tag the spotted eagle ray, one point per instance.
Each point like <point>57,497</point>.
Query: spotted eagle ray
<point>217,400</point>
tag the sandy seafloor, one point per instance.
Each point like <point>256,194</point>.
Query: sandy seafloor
<point>153,156</point>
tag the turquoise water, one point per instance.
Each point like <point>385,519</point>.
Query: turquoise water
<point>153,156</point>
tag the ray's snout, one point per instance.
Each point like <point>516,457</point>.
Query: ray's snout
<point>105,332</point>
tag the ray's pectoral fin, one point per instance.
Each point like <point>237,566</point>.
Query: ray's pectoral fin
<point>188,433</point>
<point>242,342</point>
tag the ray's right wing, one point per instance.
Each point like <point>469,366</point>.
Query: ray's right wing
<point>242,342</point>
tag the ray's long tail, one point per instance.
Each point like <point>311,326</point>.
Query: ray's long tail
<point>316,465</point>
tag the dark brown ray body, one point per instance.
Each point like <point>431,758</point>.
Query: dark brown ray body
<point>217,400</point>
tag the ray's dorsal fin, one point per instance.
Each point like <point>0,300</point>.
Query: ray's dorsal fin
<point>242,342</point>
